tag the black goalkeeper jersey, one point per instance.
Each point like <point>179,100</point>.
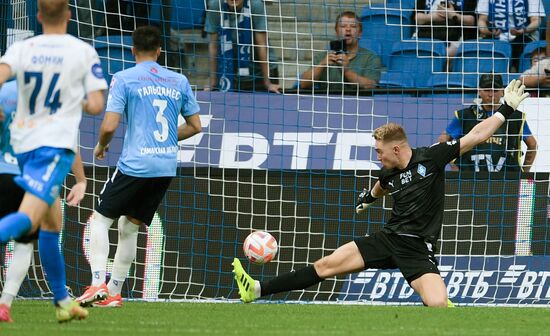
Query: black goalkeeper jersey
<point>418,191</point>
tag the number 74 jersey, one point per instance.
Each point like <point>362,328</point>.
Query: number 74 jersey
<point>54,73</point>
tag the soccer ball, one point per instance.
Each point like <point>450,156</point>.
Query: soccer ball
<point>260,247</point>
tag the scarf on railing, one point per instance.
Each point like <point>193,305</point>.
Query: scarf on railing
<point>499,14</point>
<point>226,61</point>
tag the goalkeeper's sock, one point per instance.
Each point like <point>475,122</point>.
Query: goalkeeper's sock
<point>99,247</point>
<point>17,271</point>
<point>300,279</point>
<point>125,254</point>
<point>14,226</point>
<point>53,263</point>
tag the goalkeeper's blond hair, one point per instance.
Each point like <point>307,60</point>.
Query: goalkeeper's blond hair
<point>390,132</point>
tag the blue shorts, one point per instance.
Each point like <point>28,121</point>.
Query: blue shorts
<point>43,171</point>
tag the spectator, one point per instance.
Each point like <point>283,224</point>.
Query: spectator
<point>449,21</point>
<point>234,26</point>
<point>117,19</point>
<point>538,76</point>
<point>516,21</point>
<point>502,151</point>
<point>335,70</point>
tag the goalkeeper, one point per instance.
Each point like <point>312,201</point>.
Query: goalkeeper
<point>415,178</point>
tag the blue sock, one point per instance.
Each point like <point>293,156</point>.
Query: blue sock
<point>14,226</point>
<point>53,263</point>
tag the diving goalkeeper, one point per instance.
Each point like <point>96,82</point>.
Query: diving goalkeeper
<point>415,178</point>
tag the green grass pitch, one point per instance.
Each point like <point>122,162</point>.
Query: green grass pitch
<point>160,319</point>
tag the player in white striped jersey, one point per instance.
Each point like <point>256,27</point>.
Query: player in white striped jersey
<point>54,72</point>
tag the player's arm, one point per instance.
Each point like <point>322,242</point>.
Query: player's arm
<point>367,197</point>
<point>79,188</point>
<point>106,133</point>
<point>5,73</point>
<point>191,127</point>
<point>95,103</point>
<point>531,153</point>
<point>513,96</point>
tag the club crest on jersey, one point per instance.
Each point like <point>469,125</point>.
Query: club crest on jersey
<point>97,70</point>
<point>154,70</point>
<point>421,170</point>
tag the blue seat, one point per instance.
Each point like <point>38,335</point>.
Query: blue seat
<point>393,79</point>
<point>389,25</point>
<point>404,4</point>
<point>115,54</point>
<point>452,80</point>
<point>525,58</point>
<point>482,56</point>
<point>185,14</point>
<point>420,58</point>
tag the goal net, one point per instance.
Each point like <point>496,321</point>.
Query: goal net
<point>292,164</point>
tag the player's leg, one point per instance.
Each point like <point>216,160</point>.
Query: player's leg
<point>99,254</point>
<point>128,229</point>
<point>54,265</point>
<point>15,274</point>
<point>344,260</point>
<point>142,198</point>
<point>416,259</point>
<point>109,203</point>
<point>10,199</point>
<point>431,289</point>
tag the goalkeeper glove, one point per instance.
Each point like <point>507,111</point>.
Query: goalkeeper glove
<point>364,200</point>
<point>513,96</point>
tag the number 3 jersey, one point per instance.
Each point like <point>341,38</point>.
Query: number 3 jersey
<point>151,99</point>
<point>54,73</point>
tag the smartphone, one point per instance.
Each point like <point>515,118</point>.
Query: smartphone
<point>339,46</point>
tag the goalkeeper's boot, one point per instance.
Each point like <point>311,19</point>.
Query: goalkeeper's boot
<point>70,312</point>
<point>5,313</point>
<point>450,304</point>
<point>244,281</point>
<point>110,302</point>
<point>93,294</point>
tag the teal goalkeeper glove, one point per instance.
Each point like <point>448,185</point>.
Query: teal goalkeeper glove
<point>364,200</point>
<point>513,96</point>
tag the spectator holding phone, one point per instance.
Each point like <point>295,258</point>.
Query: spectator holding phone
<point>516,21</point>
<point>538,76</point>
<point>346,65</point>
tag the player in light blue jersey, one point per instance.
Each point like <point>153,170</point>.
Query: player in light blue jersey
<point>151,98</point>
<point>54,72</point>
<point>11,196</point>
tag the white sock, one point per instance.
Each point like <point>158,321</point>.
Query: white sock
<point>115,286</point>
<point>18,269</point>
<point>125,254</point>
<point>99,247</point>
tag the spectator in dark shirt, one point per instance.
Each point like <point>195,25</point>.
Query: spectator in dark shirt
<point>449,21</point>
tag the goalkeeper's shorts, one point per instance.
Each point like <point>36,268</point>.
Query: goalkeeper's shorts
<point>412,255</point>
